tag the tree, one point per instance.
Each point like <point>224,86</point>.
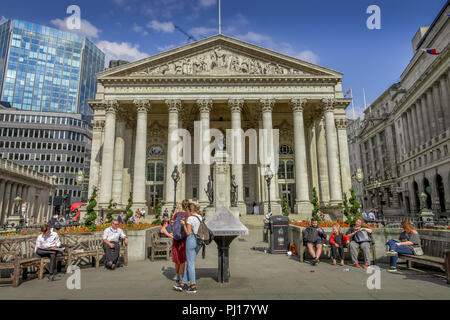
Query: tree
<point>352,208</point>
<point>158,209</point>
<point>285,208</point>
<point>91,215</point>
<point>128,209</point>
<point>315,203</point>
<point>109,215</point>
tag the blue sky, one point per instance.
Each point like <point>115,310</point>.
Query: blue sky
<point>330,33</point>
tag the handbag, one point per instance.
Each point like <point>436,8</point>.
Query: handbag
<point>418,251</point>
<point>362,236</point>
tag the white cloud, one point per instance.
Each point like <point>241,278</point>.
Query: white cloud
<point>3,19</point>
<point>139,29</point>
<point>207,3</point>
<point>87,29</point>
<point>202,32</point>
<point>166,48</point>
<point>166,27</point>
<point>120,51</point>
<point>308,55</point>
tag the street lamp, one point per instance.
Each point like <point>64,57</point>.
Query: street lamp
<point>268,177</point>
<point>176,178</point>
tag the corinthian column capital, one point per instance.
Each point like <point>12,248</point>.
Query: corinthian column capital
<point>298,104</point>
<point>267,104</point>
<point>236,105</point>
<point>174,105</point>
<point>142,105</point>
<point>341,124</point>
<point>111,106</point>
<point>204,105</point>
<point>328,104</point>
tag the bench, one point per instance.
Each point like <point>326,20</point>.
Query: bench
<point>18,254</point>
<point>436,254</point>
<point>161,247</point>
<point>326,250</point>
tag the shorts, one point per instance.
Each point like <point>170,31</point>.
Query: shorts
<point>319,241</point>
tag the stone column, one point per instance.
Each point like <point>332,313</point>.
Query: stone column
<point>108,153</point>
<point>205,106</point>
<point>415,126</point>
<point>140,155</point>
<point>432,114</point>
<point>344,159</point>
<point>11,199</point>
<point>425,119</point>
<point>174,106</point>
<point>97,128</point>
<point>127,163</point>
<point>438,108</point>
<point>420,124</point>
<point>332,153</point>
<point>312,149</point>
<point>390,148</point>
<point>405,132</point>
<point>410,130</point>
<point>324,189</point>
<point>238,151</point>
<point>302,204</point>
<point>266,108</point>
<point>119,154</point>
<point>2,198</point>
<point>445,103</point>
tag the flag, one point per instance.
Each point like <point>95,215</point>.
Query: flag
<point>348,92</point>
<point>432,51</point>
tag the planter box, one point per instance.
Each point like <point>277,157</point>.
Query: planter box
<point>138,243</point>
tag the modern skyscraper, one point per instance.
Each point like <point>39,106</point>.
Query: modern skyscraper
<point>45,69</point>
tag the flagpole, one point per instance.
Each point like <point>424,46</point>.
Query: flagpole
<point>353,105</point>
<point>220,20</point>
<point>364,94</point>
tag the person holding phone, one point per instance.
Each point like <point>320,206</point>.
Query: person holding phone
<point>360,237</point>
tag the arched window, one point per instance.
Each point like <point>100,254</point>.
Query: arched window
<point>155,151</point>
<point>285,149</point>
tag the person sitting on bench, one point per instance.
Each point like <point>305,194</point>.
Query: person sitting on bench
<point>111,246</point>
<point>360,237</point>
<point>314,236</point>
<point>47,245</point>
<point>408,239</point>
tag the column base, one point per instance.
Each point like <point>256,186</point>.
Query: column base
<point>275,208</point>
<point>242,208</point>
<point>303,209</point>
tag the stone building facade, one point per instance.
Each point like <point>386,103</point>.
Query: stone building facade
<point>220,83</point>
<point>405,139</point>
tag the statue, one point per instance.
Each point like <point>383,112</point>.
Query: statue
<point>210,190</point>
<point>234,191</point>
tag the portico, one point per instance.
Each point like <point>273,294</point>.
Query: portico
<point>222,83</point>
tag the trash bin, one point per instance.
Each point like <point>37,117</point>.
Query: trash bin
<point>279,234</point>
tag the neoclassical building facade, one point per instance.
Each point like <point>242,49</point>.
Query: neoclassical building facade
<point>220,83</point>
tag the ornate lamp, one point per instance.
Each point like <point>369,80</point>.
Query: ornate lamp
<point>80,178</point>
<point>358,176</point>
<point>268,177</point>
<point>176,177</point>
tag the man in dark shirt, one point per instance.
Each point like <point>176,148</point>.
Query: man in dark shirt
<point>313,236</point>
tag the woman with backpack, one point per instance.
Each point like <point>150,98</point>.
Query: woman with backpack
<point>191,226</point>
<point>179,239</point>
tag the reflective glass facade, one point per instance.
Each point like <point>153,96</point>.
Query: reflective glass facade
<point>45,69</point>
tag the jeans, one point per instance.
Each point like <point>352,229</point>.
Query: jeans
<point>399,249</point>
<point>192,250</point>
<point>334,250</point>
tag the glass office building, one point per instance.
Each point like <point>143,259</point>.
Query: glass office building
<point>48,70</point>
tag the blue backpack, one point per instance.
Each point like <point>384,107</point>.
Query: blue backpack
<point>178,228</point>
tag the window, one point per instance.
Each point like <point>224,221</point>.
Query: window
<point>285,149</point>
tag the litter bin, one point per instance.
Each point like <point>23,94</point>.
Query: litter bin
<point>279,234</point>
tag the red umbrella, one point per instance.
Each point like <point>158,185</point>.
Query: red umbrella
<point>75,206</point>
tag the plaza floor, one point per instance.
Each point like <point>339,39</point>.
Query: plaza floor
<point>254,275</point>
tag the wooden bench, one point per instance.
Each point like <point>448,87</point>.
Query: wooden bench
<point>436,254</point>
<point>326,250</point>
<point>18,254</point>
<point>161,247</point>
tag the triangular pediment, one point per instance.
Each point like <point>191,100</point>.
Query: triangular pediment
<point>219,56</point>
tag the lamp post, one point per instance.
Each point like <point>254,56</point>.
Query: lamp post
<point>176,178</point>
<point>268,177</point>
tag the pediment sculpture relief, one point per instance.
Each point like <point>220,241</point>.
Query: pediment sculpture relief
<point>218,61</point>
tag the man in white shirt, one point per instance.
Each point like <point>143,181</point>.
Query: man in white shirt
<point>143,213</point>
<point>111,246</point>
<point>47,245</point>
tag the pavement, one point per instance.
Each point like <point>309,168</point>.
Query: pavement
<point>254,275</point>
